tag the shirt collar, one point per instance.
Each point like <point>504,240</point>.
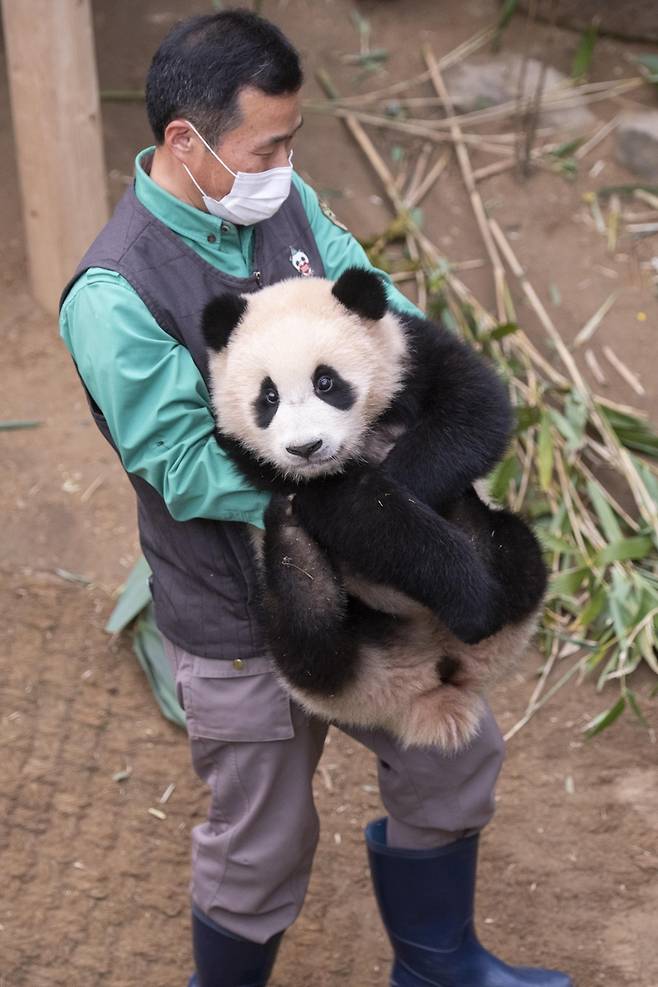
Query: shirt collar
<point>186,220</point>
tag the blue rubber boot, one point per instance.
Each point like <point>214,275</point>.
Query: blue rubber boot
<point>426,900</point>
<point>225,960</point>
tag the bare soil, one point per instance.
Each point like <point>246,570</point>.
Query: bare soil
<point>95,886</point>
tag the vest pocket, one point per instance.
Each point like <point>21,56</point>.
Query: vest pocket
<point>236,701</point>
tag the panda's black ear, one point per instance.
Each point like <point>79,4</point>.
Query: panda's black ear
<point>219,319</point>
<point>362,292</point>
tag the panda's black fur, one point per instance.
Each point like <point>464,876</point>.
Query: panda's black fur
<point>460,572</point>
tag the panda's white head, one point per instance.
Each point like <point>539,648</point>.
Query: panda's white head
<point>300,370</point>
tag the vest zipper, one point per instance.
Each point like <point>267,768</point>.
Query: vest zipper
<point>258,278</point>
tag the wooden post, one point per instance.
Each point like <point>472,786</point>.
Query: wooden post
<point>53,85</point>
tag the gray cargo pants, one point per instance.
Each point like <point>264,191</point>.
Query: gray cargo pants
<point>258,751</point>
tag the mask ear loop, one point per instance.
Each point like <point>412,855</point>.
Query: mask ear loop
<point>214,153</point>
<point>201,192</point>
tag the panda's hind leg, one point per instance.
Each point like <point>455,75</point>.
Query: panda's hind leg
<point>305,606</point>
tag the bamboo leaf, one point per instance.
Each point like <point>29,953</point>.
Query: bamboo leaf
<point>506,329</point>
<point>593,608</point>
<point>526,417</point>
<point>568,582</point>
<point>572,430</point>
<point>604,719</point>
<point>553,543</point>
<point>605,514</point>
<point>626,548</point>
<point>545,452</point>
<point>147,645</point>
<point>501,478</point>
<point>633,703</point>
<point>8,426</point>
<point>583,57</point>
<point>135,595</point>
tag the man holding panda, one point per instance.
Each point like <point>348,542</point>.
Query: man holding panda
<point>216,205</point>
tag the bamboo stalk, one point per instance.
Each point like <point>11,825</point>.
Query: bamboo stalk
<point>620,455</point>
<point>471,186</point>
<point>492,143</point>
<point>419,171</point>
<point>623,371</point>
<point>596,138</point>
<point>428,182</point>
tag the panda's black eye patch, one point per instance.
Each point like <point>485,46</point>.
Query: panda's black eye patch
<point>267,402</point>
<point>332,388</point>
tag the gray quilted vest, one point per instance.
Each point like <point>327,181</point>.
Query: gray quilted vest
<point>204,581</point>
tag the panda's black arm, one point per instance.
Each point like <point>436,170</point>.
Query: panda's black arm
<point>459,417</point>
<point>384,534</point>
<point>305,607</point>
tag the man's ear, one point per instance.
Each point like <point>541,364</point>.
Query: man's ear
<point>361,292</point>
<point>219,319</point>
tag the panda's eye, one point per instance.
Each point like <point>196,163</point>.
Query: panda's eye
<point>271,396</point>
<point>324,383</point>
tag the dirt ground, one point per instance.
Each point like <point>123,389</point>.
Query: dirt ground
<point>95,886</point>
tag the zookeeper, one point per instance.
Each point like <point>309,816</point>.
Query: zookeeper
<point>216,205</point>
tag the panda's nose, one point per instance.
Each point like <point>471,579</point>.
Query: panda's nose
<point>305,451</point>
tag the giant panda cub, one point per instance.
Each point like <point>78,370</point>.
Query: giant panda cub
<point>393,596</point>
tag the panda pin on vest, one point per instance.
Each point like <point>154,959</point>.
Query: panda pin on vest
<point>392,594</point>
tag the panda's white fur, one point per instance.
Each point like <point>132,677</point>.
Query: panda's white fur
<point>287,330</point>
<point>292,327</point>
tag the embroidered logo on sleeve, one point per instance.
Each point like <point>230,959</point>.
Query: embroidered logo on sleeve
<point>331,215</point>
<point>300,262</point>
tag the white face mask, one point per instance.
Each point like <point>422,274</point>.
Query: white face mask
<point>253,196</point>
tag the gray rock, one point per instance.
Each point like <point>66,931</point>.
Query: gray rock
<point>637,143</point>
<point>488,81</point>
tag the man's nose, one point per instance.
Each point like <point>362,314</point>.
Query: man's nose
<point>305,451</point>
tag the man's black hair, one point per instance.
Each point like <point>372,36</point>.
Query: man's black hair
<point>203,63</point>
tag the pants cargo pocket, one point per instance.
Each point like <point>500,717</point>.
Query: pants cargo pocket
<point>236,701</point>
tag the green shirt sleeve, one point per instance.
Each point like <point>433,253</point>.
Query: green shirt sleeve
<point>155,401</point>
<point>339,249</point>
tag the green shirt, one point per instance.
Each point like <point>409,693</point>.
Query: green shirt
<point>150,391</point>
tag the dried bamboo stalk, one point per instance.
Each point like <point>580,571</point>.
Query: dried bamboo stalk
<point>471,186</point>
<point>596,138</point>
<point>623,371</point>
<point>419,171</point>
<point>620,456</point>
<point>428,182</point>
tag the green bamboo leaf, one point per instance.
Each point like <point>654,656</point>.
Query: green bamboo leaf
<point>8,426</point>
<point>148,646</point>
<point>593,608</point>
<point>632,432</point>
<point>506,14</point>
<point>502,476</point>
<point>135,595</point>
<point>573,431</point>
<point>626,548</point>
<point>564,151</point>
<point>606,718</point>
<point>545,452</point>
<point>552,543</point>
<point>568,582</point>
<point>526,417</point>
<point>506,329</point>
<point>598,655</point>
<point>605,513</point>
<point>583,57</point>
<point>647,643</point>
<point>633,703</point>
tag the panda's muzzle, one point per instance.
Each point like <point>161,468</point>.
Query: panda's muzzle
<point>305,451</point>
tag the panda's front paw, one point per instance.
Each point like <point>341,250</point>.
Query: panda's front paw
<point>280,511</point>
